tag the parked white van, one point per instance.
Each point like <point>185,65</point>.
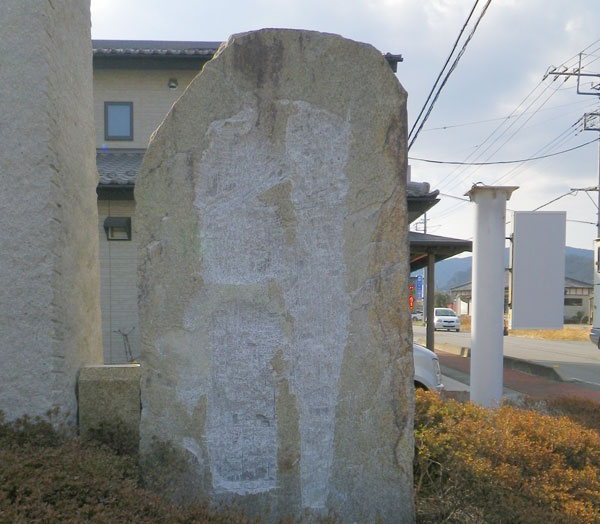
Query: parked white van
<point>427,369</point>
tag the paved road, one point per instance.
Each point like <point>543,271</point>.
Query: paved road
<point>574,361</point>
<point>515,383</point>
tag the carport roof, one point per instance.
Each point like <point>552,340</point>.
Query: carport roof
<point>421,245</point>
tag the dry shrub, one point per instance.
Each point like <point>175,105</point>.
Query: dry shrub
<point>37,431</point>
<point>576,332</point>
<point>117,435</point>
<point>47,476</point>
<point>504,465</point>
<point>74,483</point>
<point>582,411</point>
<point>568,332</point>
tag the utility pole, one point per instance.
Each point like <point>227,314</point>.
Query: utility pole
<point>591,122</point>
<point>428,295</point>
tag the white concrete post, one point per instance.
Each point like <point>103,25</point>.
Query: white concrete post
<point>488,293</point>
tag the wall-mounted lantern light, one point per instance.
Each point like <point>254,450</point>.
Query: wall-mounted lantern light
<point>173,83</point>
<point>117,228</point>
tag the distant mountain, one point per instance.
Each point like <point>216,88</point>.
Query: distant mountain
<point>580,267</point>
<point>579,264</point>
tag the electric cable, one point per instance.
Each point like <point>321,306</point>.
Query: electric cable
<point>476,122</point>
<point>593,202</point>
<point>476,154</point>
<point>566,135</point>
<point>560,139</point>
<point>443,68</point>
<point>449,72</point>
<point>555,200</point>
<point>454,207</point>
<point>500,162</point>
<point>506,130</point>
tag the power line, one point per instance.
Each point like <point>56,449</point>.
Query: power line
<point>475,122</point>
<point>443,69</point>
<point>455,197</point>
<point>501,161</point>
<point>477,153</point>
<point>582,222</point>
<point>554,144</point>
<point>455,207</point>
<point>588,195</point>
<point>450,71</point>
<point>507,129</point>
<point>555,199</point>
<point>450,211</point>
<point>520,127</point>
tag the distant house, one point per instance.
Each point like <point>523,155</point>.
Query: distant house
<point>578,300</point>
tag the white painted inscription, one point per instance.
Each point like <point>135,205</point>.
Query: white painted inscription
<point>243,244</point>
<point>317,146</point>
<point>241,428</point>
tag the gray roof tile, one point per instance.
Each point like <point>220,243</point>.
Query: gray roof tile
<point>118,167</point>
<point>153,48</point>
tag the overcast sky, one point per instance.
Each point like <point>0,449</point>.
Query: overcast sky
<point>500,75</point>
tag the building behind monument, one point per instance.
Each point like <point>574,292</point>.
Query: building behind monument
<point>135,84</point>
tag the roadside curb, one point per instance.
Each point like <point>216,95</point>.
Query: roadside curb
<point>532,368</point>
<point>516,364</point>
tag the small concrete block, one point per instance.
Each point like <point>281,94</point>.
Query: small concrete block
<point>109,395</point>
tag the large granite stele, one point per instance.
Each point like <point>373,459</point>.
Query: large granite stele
<point>273,269</point>
<point>49,274</point>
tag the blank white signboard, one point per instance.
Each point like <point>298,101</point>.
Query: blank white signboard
<point>538,270</point>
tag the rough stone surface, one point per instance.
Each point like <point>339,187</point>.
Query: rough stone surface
<point>49,278</point>
<point>109,395</point>
<point>273,257</point>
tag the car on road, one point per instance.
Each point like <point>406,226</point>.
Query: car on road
<point>445,318</point>
<point>428,374</point>
<point>417,315</point>
<point>595,336</point>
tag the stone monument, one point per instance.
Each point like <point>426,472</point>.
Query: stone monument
<point>49,277</point>
<point>272,227</point>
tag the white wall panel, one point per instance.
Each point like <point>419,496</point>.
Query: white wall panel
<point>538,270</point>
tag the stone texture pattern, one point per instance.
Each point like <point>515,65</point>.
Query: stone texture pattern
<point>272,227</point>
<point>49,278</point>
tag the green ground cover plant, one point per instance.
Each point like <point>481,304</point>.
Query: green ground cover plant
<point>515,465</point>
